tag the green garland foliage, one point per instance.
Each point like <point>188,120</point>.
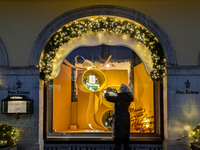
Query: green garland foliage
<point>196,133</point>
<point>78,28</point>
<point>7,136</point>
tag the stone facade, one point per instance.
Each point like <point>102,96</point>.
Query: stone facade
<point>181,96</point>
<point>3,56</point>
<point>183,105</point>
<point>27,125</point>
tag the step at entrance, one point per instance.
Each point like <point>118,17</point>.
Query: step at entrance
<point>100,147</point>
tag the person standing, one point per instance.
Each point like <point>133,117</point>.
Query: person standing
<point>121,121</point>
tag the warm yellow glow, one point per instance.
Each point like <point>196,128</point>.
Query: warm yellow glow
<point>143,94</point>
<point>77,111</point>
<point>62,100</point>
<point>187,128</point>
<point>91,39</point>
<point>97,72</point>
<point>67,114</point>
<point>125,36</point>
<point>146,122</point>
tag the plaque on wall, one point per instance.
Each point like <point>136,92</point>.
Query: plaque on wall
<point>17,104</point>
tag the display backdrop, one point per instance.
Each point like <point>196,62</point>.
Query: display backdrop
<point>90,111</point>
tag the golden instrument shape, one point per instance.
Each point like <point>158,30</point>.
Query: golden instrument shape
<point>94,95</point>
<point>93,71</point>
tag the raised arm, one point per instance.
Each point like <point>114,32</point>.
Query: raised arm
<point>112,99</point>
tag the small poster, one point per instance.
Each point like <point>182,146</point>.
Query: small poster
<point>92,79</point>
<point>16,106</point>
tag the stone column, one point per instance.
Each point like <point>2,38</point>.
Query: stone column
<point>24,81</point>
<point>183,106</point>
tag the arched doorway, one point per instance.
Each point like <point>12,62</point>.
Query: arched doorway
<point>140,18</point>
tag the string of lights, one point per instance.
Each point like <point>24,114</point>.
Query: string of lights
<point>78,28</point>
<point>8,135</point>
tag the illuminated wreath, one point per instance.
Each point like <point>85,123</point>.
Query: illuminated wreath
<point>78,28</point>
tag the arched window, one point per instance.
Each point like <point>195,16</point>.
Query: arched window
<point>52,30</point>
<point>76,104</point>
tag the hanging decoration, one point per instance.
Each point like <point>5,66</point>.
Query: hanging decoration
<point>78,28</point>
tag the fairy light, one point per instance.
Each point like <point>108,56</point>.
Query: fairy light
<point>77,28</point>
<point>195,133</point>
<point>146,122</point>
<point>7,136</point>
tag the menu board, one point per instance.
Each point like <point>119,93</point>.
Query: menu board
<point>16,106</point>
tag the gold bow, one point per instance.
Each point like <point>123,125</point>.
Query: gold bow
<point>87,64</point>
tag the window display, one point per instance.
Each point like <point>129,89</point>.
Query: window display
<point>107,118</point>
<point>91,80</point>
<point>91,113</point>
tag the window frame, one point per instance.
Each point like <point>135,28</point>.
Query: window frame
<point>48,118</point>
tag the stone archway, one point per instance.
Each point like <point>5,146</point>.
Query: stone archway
<point>119,11</point>
<point>103,10</point>
<point>3,55</point>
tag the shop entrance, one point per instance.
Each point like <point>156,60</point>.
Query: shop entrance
<point>53,66</point>
<point>85,57</point>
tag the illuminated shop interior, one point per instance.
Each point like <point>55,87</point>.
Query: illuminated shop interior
<point>85,57</point>
<point>77,93</point>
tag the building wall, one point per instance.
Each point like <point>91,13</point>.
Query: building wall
<point>182,103</point>
<point>22,21</point>
<point>28,126</point>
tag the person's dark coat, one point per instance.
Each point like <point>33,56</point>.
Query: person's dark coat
<point>121,122</point>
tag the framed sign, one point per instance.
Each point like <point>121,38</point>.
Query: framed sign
<point>17,105</point>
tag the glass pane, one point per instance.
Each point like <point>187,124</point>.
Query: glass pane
<point>79,105</point>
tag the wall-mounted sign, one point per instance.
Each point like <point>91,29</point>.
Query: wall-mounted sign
<point>18,92</point>
<point>187,91</point>
<point>17,104</point>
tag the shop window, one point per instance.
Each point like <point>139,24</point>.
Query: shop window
<point>75,99</point>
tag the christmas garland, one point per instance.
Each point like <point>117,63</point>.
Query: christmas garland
<point>7,136</point>
<point>196,133</point>
<point>78,28</point>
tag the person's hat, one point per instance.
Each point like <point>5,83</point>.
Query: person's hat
<point>124,88</point>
